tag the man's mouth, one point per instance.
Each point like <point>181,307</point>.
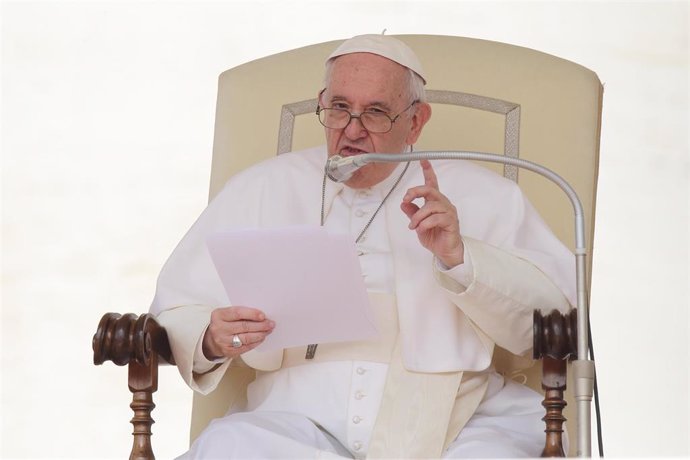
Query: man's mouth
<point>350,151</point>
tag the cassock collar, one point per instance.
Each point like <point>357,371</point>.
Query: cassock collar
<point>381,189</point>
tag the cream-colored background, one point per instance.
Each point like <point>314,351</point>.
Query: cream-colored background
<point>107,126</point>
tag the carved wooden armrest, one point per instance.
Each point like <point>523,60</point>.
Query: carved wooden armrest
<point>139,342</point>
<point>555,342</point>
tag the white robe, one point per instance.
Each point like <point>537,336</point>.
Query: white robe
<point>464,323</point>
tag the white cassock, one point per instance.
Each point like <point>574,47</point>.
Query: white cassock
<point>442,325</point>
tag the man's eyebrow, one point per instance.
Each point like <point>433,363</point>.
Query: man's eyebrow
<point>379,104</point>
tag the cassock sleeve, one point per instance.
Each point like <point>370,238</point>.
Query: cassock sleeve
<point>185,327</point>
<point>516,265</point>
<point>502,295</point>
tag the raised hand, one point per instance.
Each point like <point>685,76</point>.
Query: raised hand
<point>436,221</point>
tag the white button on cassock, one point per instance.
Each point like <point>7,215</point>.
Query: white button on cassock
<point>367,381</point>
<point>360,213</point>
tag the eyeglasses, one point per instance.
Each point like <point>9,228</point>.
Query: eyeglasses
<point>374,122</point>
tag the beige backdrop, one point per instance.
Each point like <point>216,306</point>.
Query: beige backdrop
<point>107,124</point>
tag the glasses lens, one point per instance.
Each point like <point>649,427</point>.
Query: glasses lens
<point>334,118</point>
<point>376,122</point>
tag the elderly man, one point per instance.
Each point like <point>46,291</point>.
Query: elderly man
<point>454,259</point>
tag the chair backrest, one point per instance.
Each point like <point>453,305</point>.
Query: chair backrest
<point>486,96</point>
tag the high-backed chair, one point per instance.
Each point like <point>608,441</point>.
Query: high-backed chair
<point>486,96</point>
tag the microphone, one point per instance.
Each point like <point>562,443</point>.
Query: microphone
<point>340,169</point>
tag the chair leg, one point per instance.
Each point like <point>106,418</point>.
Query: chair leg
<point>143,382</point>
<point>554,403</point>
<point>555,342</point>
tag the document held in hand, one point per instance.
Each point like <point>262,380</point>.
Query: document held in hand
<point>305,279</point>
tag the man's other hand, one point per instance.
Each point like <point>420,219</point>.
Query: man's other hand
<point>249,324</point>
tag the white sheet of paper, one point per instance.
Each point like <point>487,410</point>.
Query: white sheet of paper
<point>306,280</point>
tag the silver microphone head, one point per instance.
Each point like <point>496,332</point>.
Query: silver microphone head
<point>340,169</point>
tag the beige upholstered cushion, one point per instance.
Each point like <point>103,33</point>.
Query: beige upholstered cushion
<point>486,96</point>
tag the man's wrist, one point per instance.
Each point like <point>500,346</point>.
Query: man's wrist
<point>204,361</point>
<point>209,349</point>
<point>457,258</point>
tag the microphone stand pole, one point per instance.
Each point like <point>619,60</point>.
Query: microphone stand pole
<point>583,367</point>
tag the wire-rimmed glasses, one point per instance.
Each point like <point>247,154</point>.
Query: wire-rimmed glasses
<point>373,121</point>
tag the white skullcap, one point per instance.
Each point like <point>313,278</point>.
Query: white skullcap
<point>382,45</point>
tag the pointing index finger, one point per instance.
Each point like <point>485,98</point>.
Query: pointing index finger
<point>429,174</point>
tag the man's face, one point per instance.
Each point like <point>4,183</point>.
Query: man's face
<point>361,82</point>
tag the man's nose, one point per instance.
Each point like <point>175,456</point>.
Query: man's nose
<point>355,129</point>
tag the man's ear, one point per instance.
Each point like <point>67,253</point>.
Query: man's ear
<point>422,114</point>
